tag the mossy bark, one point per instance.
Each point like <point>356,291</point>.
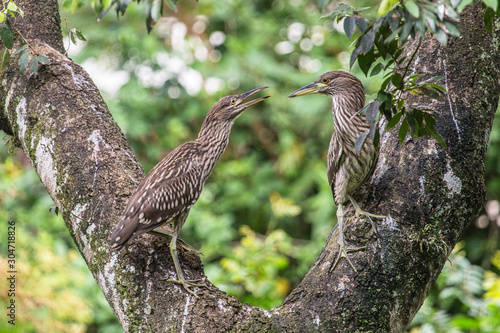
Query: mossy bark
<point>429,194</point>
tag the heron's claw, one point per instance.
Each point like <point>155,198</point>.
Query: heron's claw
<point>343,251</point>
<point>187,284</point>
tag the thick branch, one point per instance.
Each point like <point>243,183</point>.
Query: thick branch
<point>430,194</point>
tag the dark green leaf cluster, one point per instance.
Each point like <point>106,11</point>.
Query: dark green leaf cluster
<point>379,47</point>
<point>418,119</point>
<point>9,9</point>
<point>9,36</point>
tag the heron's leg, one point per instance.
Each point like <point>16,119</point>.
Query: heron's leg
<point>343,250</point>
<point>359,211</point>
<point>182,244</point>
<point>187,284</point>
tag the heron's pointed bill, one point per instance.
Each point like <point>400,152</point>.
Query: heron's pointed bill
<point>306,90</point>
<point>239,107</point>
<point>248,94</point>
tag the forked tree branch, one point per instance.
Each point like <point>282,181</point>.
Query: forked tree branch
<point>429,193</point>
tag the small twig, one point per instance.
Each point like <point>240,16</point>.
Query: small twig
<point>411,59</point>
<point>25,40</point>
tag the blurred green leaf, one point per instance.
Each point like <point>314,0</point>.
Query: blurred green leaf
<point>365,61</point>
<point>54,210</point>
<point>403,130</point>
<point>412,8</point>
<point>441,37</point>
<point>360,141</point>
<point>385,6</point>
<point>435,134</point>
<point>395,120</point>
<point>455,3</point>
<point>80,35</point>
<point>4,59</point>
<point>361,24</point>
<point>376,69</point>
<point>354,56</point>
<point>171,4</point>
<point>372,110</point>
<point>6,35</point>
<point>21,49</point>
<point>23,60</point>
<point>489,16</point>
<point>430,92</point>
<point>412,122</point>
<point>493,4</point>
<point>349,24</point>
<point>396,79</point>
<point>42,59</point>
<point>34,66</point>
<point>367,41</point>
<point>74,6</point>
<point>452,29</point>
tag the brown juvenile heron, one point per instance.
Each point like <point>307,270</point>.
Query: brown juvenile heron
<point>166,194</point>
<point>347,170</point>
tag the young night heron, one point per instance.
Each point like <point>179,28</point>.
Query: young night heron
<point>347,170</point>
<point>166,194</point>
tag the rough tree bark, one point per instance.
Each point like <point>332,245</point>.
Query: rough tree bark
<point>429,193</point>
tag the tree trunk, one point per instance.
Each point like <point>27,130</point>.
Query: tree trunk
<point>428,193</point>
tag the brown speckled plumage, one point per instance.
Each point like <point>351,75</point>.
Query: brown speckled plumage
<point>165,196</point>
<point>347,170</point>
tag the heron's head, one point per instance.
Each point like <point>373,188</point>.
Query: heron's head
<point>333,84</point>
<point>221,116</point>
<point>230,107</point>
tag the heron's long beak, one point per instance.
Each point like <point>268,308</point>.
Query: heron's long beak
<point>252,102</point>
<point>311,88</point>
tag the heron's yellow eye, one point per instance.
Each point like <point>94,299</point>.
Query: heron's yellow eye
<point>233,101</point>
<point>325,80</point>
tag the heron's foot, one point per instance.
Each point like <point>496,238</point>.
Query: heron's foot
<point>186,247</point>
<point>188,284</point>
<point>343,251</point>
<point>369,216</point>
<point>180,242</point>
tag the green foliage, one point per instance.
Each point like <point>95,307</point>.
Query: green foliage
<point>9,9</point>
<point>252,270</point>
<point>379,47</point>
<point>465,298</point>
<point>9,36</point>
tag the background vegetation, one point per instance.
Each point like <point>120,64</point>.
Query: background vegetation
<point>267,209</point>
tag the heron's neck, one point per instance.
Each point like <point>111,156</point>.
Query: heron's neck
<point>347,121</point>
<point>213,140</point>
